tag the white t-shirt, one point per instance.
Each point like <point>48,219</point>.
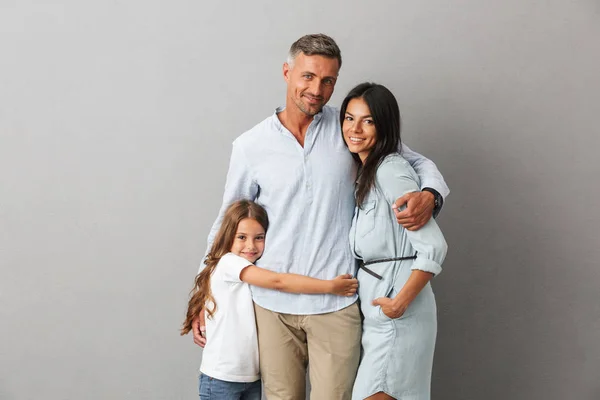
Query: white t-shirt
<point>231,351</point>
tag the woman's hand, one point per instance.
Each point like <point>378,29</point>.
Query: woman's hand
<point>344,285</point>
<point>393,308</point>
<point>396,307</point>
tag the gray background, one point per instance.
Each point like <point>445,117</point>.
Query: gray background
<point>116,121</point>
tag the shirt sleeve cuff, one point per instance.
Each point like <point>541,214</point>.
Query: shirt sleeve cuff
<point>441,187</point>
<point>423,264</point>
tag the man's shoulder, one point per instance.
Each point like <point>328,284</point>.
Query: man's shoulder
<point>259,131</point>
<point>331,112</point>
<point>393,165</point>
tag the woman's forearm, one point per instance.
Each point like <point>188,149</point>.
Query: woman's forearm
<point>413,286</point>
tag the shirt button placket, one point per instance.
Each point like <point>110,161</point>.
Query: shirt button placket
<point>307,176</point>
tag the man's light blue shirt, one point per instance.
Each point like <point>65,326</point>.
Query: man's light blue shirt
<point>308,193</point>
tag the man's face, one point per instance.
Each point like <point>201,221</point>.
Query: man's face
<point>310,82</point>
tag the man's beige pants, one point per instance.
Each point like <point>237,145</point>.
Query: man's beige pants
<point>287,342</point>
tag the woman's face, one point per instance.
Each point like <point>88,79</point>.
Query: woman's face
<point>359,129</point>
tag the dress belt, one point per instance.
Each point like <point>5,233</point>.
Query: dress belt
<point>370,272</point>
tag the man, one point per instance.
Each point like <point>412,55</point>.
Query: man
<point>296,165</point>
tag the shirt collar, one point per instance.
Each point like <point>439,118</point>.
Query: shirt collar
<point>317,117</point>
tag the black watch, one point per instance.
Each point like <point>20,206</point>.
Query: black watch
<point>438,200</point>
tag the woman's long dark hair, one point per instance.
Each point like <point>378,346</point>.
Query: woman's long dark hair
<point>386,116</point>
<point>201,294</point>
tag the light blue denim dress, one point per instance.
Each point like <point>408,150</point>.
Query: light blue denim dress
<point>397,353</point>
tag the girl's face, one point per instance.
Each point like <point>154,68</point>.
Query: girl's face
<point>359,129</point>
<point>249,241</point>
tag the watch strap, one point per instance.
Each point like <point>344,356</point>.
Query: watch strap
<point>438,200</point>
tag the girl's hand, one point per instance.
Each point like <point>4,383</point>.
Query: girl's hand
<point>391,307</point>
<point>344,285</point>
<point>199,329</point>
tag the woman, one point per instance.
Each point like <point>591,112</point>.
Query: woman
<point>397,302</point>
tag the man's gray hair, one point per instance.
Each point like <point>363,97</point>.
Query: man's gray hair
<point>317,44</point>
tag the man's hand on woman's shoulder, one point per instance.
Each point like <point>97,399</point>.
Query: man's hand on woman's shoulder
<point>419,208</point>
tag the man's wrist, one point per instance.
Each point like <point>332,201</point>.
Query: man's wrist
<point>438,200</point>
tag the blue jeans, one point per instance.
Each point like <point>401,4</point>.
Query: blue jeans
<point>215,389</point>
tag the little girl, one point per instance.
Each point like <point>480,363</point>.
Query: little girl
<point>230,368</point>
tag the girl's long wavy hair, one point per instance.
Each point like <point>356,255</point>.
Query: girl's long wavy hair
<point>201,296</point>
<point>386,116</point>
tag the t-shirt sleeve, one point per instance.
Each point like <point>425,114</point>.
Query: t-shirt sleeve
<point>231,267</point>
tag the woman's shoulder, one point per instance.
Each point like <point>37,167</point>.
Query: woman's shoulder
<point>393,165</point>
<point>395,157</point>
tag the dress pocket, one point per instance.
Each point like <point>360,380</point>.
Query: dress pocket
<point>366,222</point>
<point>390,295</point>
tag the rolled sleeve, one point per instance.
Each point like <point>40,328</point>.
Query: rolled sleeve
<point>423,264</point>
